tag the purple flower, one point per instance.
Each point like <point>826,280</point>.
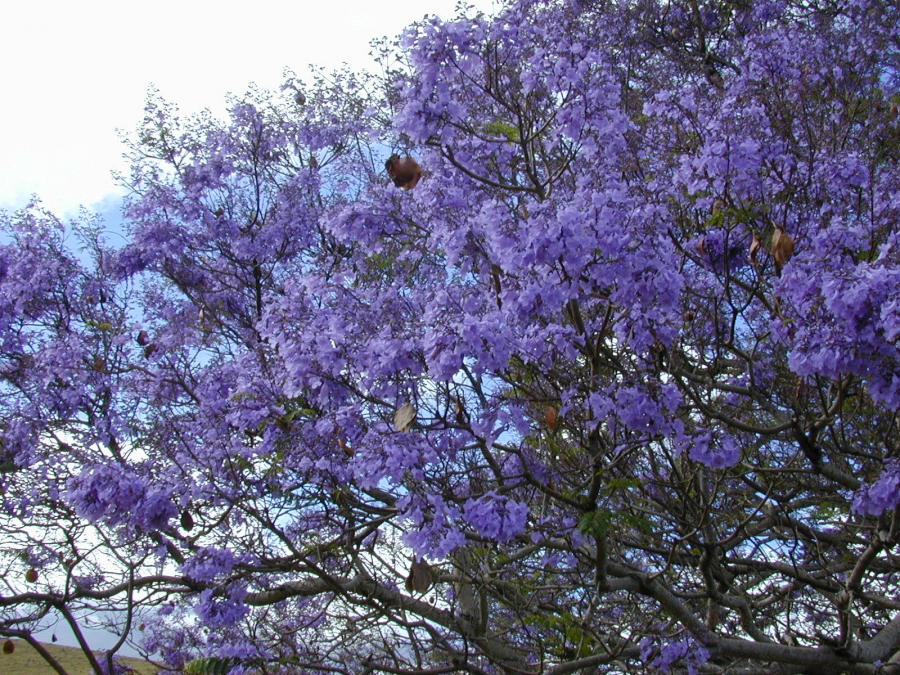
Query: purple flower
<point>662,654</point>
<point>208,564</point>
<point>220,609</point>
<point>882,495</point>
<point>114,495</point>
<point>497,517</point>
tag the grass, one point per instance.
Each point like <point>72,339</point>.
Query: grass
<point>26,661</point>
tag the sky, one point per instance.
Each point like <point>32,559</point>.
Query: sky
<point>73,73</point>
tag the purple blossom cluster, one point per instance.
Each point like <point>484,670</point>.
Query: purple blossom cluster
<point>116,496</point>
<point>207,564</point>
<point>631,332</point>
<point>661,654</point>
<point>221,609</point>
<point>497,517</point>
<point>881,495</point>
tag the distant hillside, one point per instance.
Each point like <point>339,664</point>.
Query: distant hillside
<point>26,661</point>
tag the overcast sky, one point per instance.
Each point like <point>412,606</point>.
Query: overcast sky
<point>72,72</point>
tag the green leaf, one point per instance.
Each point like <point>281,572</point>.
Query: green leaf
<point>208,666</point>
<point>619,484</point>
<point>498,128</point>
<point>595,523</point>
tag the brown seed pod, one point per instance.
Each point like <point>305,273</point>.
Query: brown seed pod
<point>701,246</point>
<point>754,250</point>
<point>9,647</point>
<point>551,417</point>
<point>404,171</point>
<point>404,417</point>
<point>346,448</point>
<point>420,577</point>
<point>782,246</point>
<point>143,339</point>
<point>31,576</point>
<point>150,350</point>
<point>187,521</point>
<point>460,413</point>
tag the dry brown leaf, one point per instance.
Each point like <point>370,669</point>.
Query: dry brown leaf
<point>404,417</point>
<point>346,448</point>
<point>460,411</point>
<point>754,249</point>
<point>551,417</point>
<point>782,246</point>
<point>404,171</point>
<point>420,577</point>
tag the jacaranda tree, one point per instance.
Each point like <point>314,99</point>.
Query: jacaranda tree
<point>567,343</point>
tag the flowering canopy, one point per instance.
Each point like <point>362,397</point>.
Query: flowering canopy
<point>611,385</point>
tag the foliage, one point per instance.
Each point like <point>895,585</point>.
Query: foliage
<point>613,387</point>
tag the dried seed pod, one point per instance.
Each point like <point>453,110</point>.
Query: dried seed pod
<point>551,417</point>
<point>782,246</point>
<point>754,249</point>
<point>187,521</point>
<point>460,413</point>
<point>9,647</point>
<point>701,246</point>
<point>404,171</point>
<point>150,350</point>
<point>420,577</point>
<point>342,444</point>
<point>143,339</point>
<point>404,417</point>
<point>31,576</point>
